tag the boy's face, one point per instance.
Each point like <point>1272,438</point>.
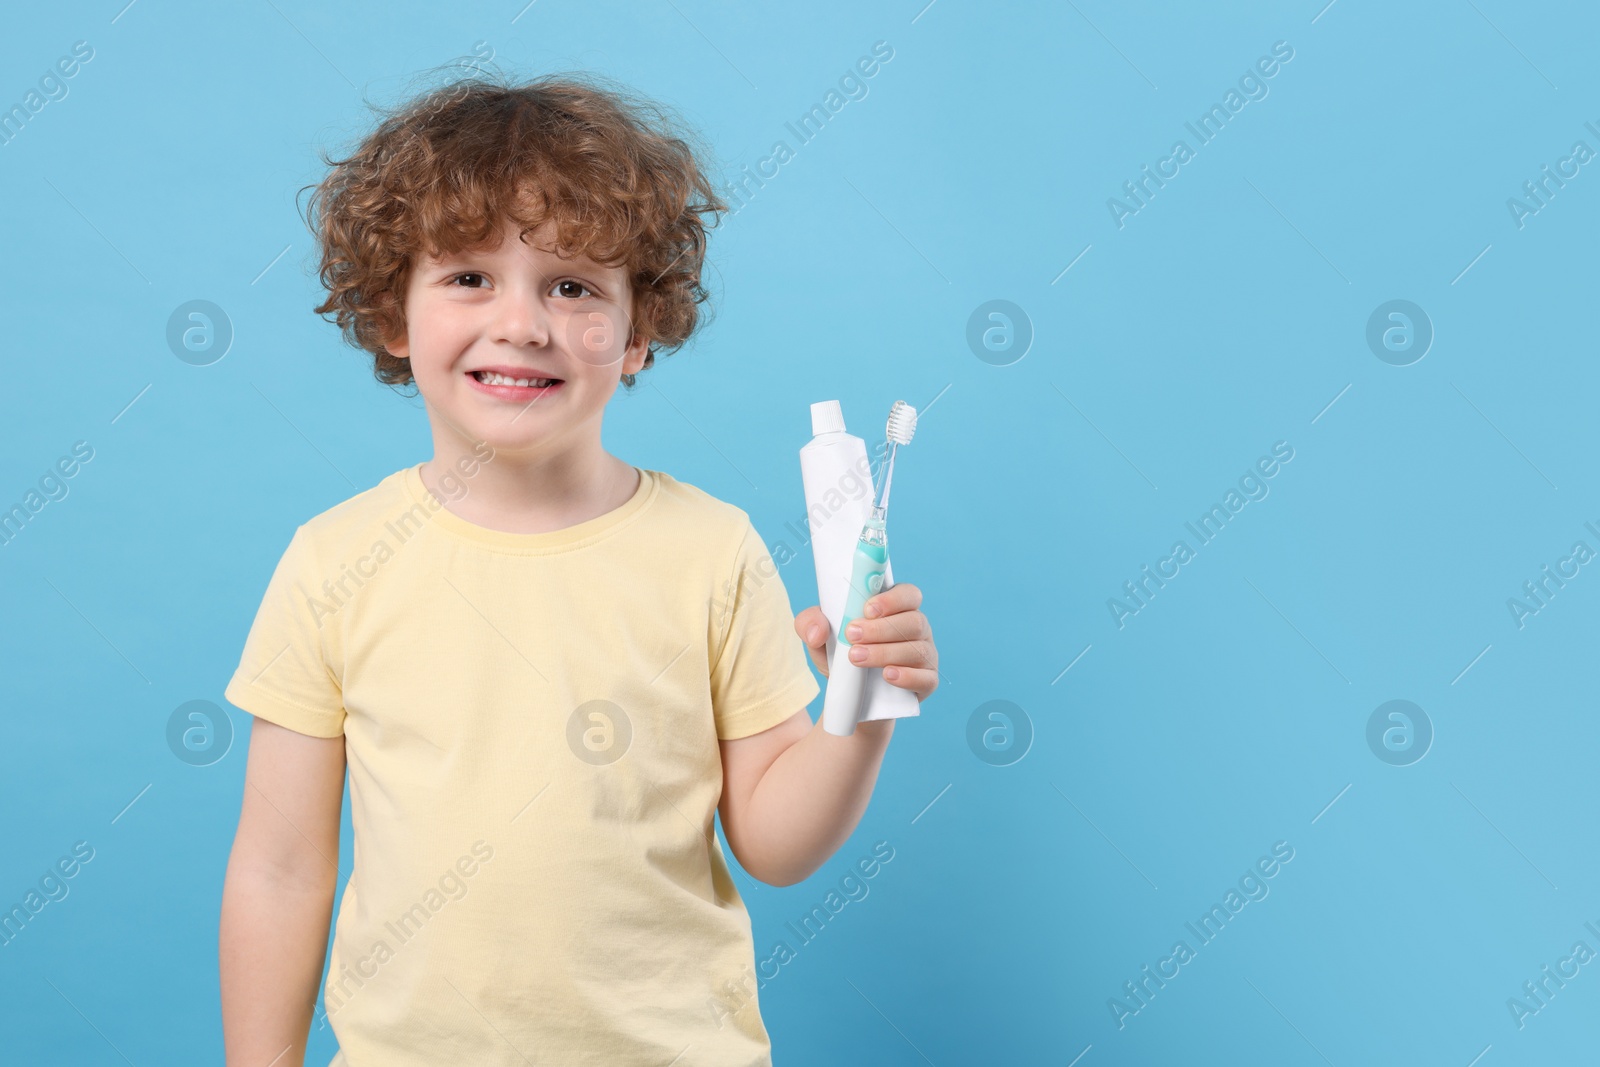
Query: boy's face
<point>521,311</point>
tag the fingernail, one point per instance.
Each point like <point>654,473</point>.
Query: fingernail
<point>816,635</point>
<point>853,631</point>
<point>872,611</point>
<point>891,673</point>
<point>858,654</point>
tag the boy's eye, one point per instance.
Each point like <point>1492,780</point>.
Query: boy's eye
<point>565,288</point>
<point>468,274</point>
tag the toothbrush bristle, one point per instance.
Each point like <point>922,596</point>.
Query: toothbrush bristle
<point>902,423</point>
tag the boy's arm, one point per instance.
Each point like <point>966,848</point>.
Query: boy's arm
<point>793,794</point>
<point>277,896</point>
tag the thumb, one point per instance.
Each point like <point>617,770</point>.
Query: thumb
<point>812,626</point>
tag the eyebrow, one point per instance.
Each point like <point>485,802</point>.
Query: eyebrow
<point>581,263</point>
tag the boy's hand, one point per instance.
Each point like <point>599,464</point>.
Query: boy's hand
<point>894,636</point>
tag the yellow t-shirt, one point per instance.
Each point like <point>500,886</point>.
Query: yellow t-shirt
<point>531,726</point>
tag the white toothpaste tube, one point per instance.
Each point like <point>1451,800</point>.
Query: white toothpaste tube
<point>838,490</point>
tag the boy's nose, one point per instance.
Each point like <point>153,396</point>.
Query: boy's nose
<point>521,322</point>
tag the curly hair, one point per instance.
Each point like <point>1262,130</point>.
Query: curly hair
<point>616,172</point>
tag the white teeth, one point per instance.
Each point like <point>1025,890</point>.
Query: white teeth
<point>491,378</point>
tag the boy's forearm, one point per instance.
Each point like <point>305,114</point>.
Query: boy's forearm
<point>810,799</point>
<point>272,943</point>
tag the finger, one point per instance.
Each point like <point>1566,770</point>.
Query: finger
<point>894,654</point>
<point>904,626</point>
<point>902,596</point>
<point>920,680</point>
<point>812,626</point>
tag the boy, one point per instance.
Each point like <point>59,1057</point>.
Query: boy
<point>544,668</point>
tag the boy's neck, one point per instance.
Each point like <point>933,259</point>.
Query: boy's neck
<point>526,492</point>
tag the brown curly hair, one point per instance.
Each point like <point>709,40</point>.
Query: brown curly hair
<point>617,172</point>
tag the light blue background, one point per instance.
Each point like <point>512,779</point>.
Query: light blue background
<point>1223,317</point>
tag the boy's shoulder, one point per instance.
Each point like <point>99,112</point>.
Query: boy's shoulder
<point>693,518</point>
<point>377,504</point>
<point>356,522</point>
<point>690,499</point>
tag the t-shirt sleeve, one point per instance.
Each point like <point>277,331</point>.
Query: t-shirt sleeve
<point>283,674</point>
<point>762,673</point>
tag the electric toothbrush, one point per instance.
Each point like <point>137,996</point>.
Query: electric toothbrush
<point>841,706</point>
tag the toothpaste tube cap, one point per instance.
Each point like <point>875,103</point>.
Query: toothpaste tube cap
<point>826,417</point>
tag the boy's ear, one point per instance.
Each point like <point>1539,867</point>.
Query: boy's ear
<point>633,355</point>
<point>398,347</point>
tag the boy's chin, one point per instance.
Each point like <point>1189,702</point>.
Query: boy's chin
<point>513,439</point>
<point>526,438</point>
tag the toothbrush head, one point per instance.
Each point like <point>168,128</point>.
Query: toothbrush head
<point>902,423</point>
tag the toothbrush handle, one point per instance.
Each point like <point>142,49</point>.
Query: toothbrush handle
<point>841,705</point>
<point>866,580</point>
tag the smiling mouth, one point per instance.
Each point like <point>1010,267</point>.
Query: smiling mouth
<point>493,379</point>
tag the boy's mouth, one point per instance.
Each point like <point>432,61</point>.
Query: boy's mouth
<point>510,388</point>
